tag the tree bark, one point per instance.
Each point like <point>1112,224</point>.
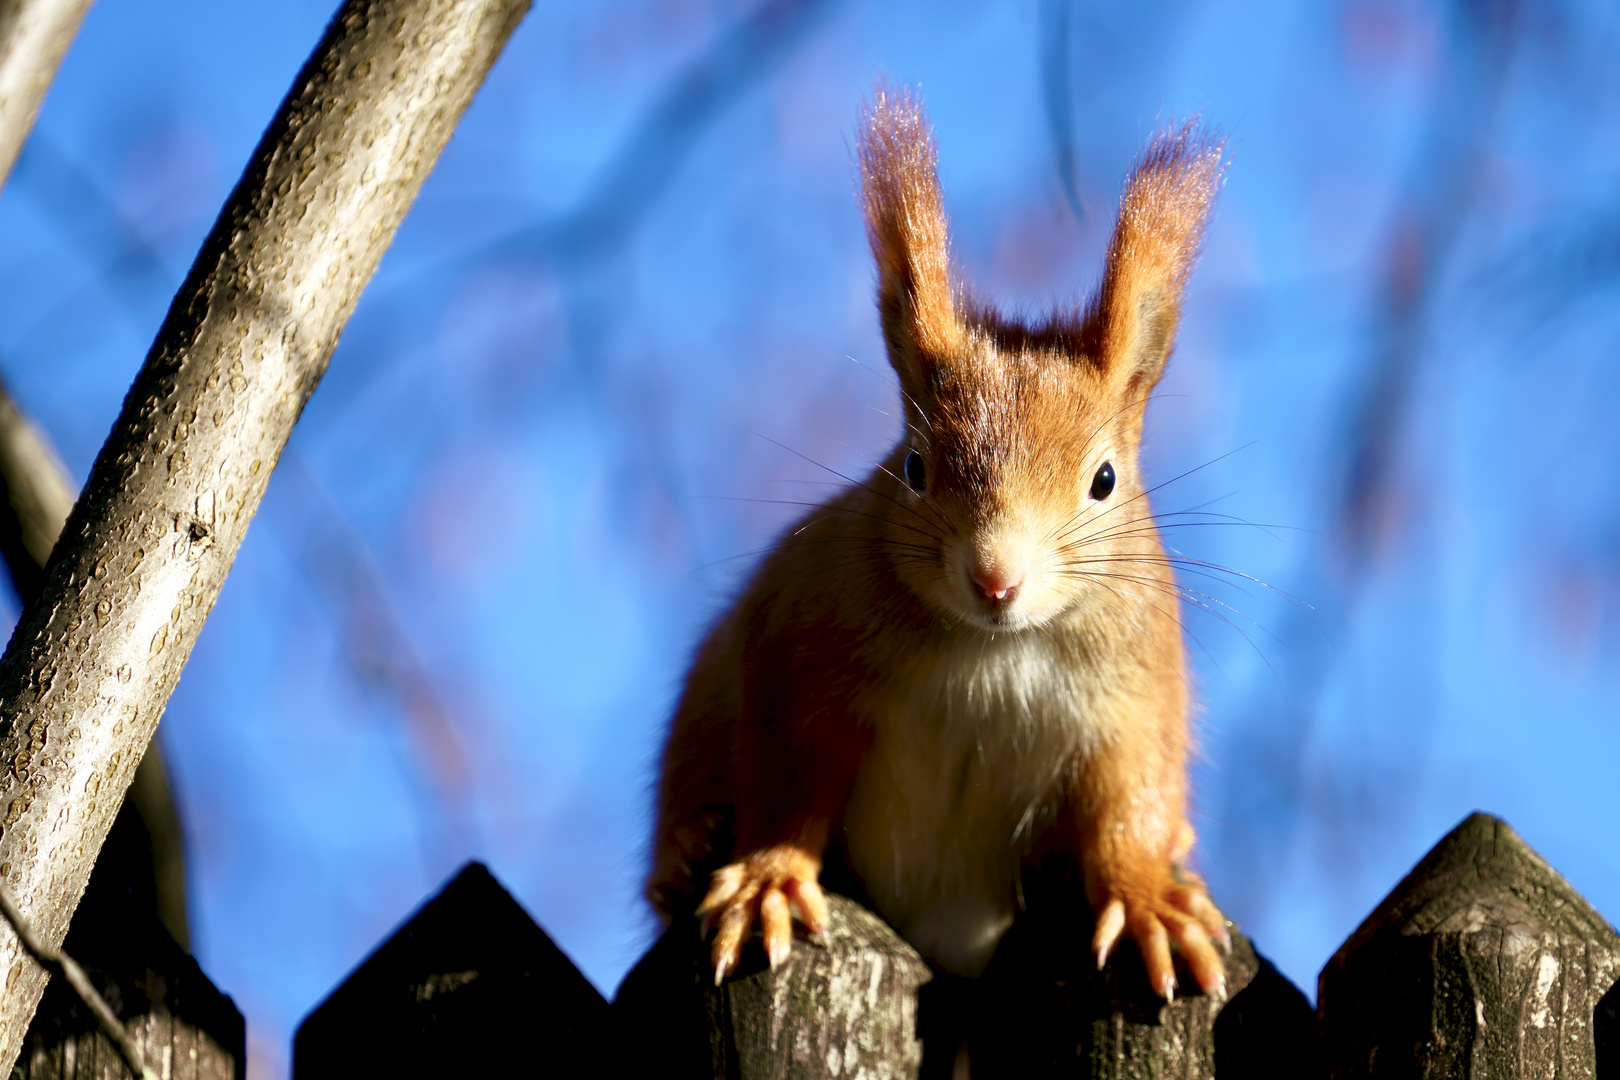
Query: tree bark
<point>93,661</point>
<point>38,496</point>
<point>34,36</point>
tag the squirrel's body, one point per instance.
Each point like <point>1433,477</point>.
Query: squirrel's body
<point>972,658</point>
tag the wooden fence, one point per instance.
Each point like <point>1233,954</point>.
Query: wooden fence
<point>185,1028</point>
<point>1483,962</point>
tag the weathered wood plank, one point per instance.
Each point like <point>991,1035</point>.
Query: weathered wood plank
<point>856,1004</point>
<point>844,1005</point>
<point>468,986</point>
<point>1267,1030</point>
<point>1482,962</point>
<point>156,989</point>
<point>1045,1011</point>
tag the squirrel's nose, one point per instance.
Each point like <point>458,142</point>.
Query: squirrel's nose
<point>996,583</point>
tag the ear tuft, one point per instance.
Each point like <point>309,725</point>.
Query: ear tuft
<point>1133,319</point>
<point>905,223</point>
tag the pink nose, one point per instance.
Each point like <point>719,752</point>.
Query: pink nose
<point>996,583</point>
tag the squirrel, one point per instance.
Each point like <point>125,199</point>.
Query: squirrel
<point>970,659</point>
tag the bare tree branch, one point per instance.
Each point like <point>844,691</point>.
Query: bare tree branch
<point>39,493</point>
<point>147,547</point>
<point>57,962</point>
<point>34,36</point>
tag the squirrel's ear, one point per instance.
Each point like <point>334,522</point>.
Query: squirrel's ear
<point>905,223</point>
<point>1132,323</point>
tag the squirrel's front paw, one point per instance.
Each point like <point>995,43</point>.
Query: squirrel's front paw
<point>1176,909</point>
<point>768,889</point>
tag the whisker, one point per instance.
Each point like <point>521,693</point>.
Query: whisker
<point>1202,566</point>
<point>1192,599</point>
<point>1174,616</point>
<point>830,507</point>
<point>884,469</point>
<point>894,382</point>
<point>856,483</point>
<point>1148,491</point>
<point>915,430</point>
<point>1188,594</point>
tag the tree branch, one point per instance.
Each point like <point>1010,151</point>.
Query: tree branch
<point>147,547</point>
<point>39,495</point>
<point>34,36</point>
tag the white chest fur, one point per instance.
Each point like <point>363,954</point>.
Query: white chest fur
<point>978,746</point>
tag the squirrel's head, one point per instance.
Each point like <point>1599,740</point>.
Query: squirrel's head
<point>1017,489</point>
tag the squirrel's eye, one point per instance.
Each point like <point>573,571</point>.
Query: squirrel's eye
<point>916,472</point>
<point>1102,485</point>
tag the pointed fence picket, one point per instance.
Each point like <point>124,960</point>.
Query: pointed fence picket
<point>1483,962</point>
<point>184,1027</point>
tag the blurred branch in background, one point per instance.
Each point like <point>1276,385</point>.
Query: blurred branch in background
<point>1558,265</point>
<point>1056,40</point>
<point>1366,506</point>
<point>130,266</point>
<point>34,37</point>
<point>578,241</point>
<point>1432,215</point>
<point>38,496</point>
<point>627,187</point>
<point>380,652</point>
<point>89,218</point>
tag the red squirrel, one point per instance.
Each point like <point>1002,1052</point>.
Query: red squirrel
<point>973,656</point>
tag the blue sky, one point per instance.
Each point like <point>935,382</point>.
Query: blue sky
<point>537,467</point>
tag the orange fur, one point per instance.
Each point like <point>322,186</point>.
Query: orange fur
<point>940,683</point>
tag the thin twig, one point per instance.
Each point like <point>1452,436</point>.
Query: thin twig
<point>60,963</point>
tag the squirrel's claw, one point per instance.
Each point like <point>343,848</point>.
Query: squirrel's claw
<point>808,903</point>
<point>775,925</point>
<point>733,922</point>
<point>1196,903</point>
<point>768,890</point>
<point>1194,943</point>
<point>1183,917</point>
<point>1153,942</point>
<point>1109,924</point>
